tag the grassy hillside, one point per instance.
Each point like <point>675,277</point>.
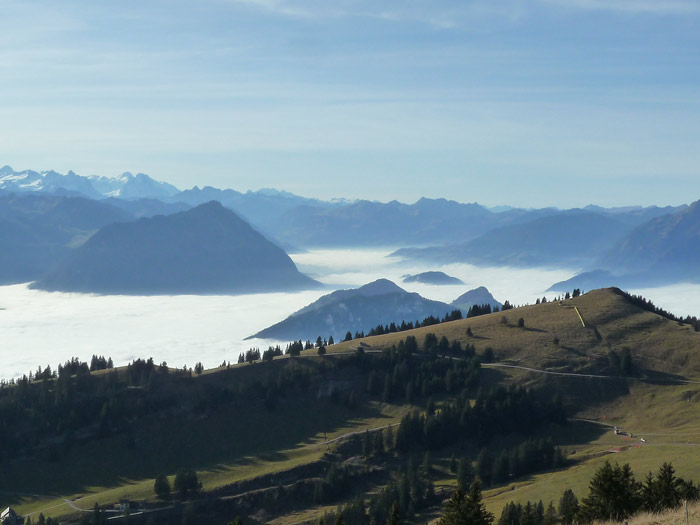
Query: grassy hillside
<point>242,428</point>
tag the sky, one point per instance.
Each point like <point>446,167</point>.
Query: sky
<point>527,103</point>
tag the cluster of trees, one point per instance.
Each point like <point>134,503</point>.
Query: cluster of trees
<point>47,414</point>
<point>251,355</point>
<point>533,455</point>
<point>409,493</point>
<point>100,363</point>
<point>454,315</point>
<point>466,507</point>
<point>398,373</point>
<point>621,362</point>
<point>496,411</point>
<point>528,514</point>
<point>646,304</point>
<point>614,495</point>
<point>186,485</point>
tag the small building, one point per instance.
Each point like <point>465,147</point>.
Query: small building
<point>10,517</point>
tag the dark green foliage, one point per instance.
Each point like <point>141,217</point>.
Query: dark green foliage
<point>271,353</point>
<point>528,514</point>
<point>186,483</point>
<point>495,411</point>
<point>162,487</point>
<point>465,474</point>
<point>568,507</point>
<point>466,508</point>
<point>394,515</point>
<point>665,491</point>
<point>397,501</point>
<point>613,494</point>
<point>479,309</point>
<point>530,456</point>
<point>521,323</point>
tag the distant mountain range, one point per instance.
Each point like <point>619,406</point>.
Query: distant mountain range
<point>639,245</point>
<point>37,230</point>
<point>569,238</point>
<point>661,251</point>
<point>207,249</point>
<point>361,309</point>
<point>126,186</point>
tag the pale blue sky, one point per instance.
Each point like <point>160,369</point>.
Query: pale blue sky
<point>531,103</point>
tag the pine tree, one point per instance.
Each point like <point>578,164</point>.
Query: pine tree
<point>550,515</point>
<point>162,487</point>
<point>568,507</point>
<point>613,494</point>
<point>466,508</point>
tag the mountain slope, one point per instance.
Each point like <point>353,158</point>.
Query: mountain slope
<point>366,223</point>
<point>573,237</point>
<point>207,249</point>
<point>477,296</point>
<point>37,230</point>
<point>661,251</point>
<point>668,243</point>
<point>360,309</point>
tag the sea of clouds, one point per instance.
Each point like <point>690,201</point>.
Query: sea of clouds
<point>40,328</point>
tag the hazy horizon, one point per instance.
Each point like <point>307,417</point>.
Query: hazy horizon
<point>344,198</point>
<point>527,104</point>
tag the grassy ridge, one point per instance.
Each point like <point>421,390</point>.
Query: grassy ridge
<point>244,440</point>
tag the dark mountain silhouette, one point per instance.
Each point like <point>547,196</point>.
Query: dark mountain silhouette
<point>360,309</point>
<point>477,296</point>
<point>37,230</point>
<point>573,237</point>
<point>207,249</point>
<point>432,278</point>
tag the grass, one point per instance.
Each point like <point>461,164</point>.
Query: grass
<point>238,442</point>
<point>230,444</point>
<point>672,517</point>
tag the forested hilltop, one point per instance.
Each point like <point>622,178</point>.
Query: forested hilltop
<point>514,416</point>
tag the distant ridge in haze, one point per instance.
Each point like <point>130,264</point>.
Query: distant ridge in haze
<point>564,238</point>
<point>440,278</point>
<point>661,251</point>
<point>38,230</point>
<point>358,309</point>
<point>207,249</point>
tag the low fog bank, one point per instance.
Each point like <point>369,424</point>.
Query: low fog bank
<point>43,328</point>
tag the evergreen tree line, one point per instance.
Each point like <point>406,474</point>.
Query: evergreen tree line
<point>400,500</point>
<point>402,373</point>
<point>528,514</point>
<point>533,455</point>
<point>614,495</point>
<point>646,304</point>
<point>496,411</point>
<point>186,485</point>
<point>454,315</point>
